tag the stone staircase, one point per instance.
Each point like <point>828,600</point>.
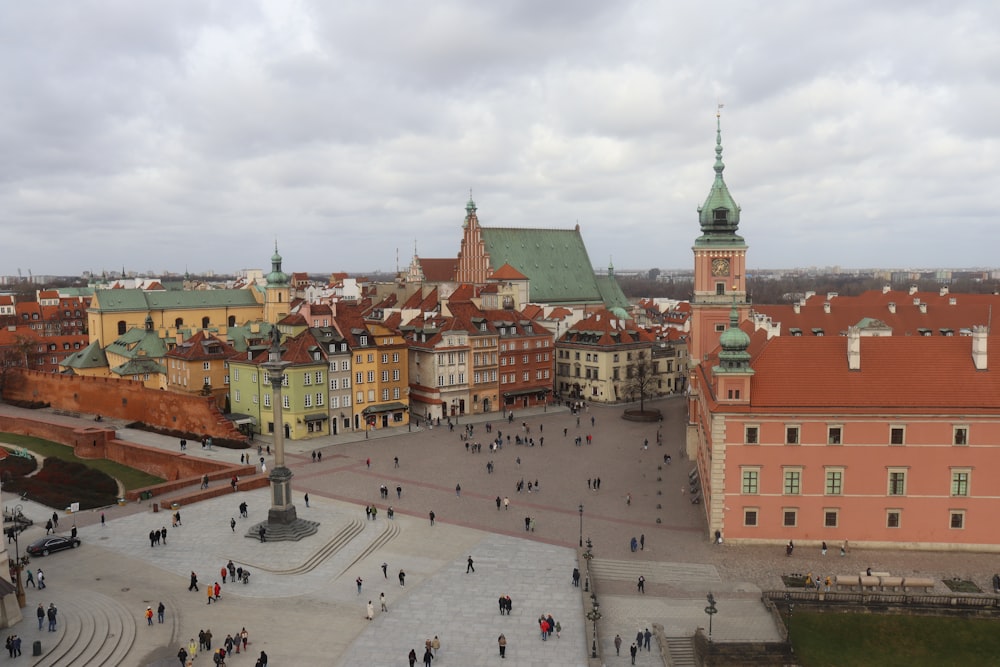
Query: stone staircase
<point>656,572</point>
<point>680,652</point>
<point>94,631</point>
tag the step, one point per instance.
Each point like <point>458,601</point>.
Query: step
<point>681,651</point>
<point>655,572</point>
<point>58,645</point>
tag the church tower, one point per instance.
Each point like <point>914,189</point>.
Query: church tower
<point>719,264</point>
<point>473,260</point>
<point>276,291</point>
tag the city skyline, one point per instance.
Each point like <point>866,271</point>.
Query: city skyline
<point>187,135</point>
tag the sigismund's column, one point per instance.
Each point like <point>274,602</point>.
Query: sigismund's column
<point>282,509</point>
<point>282,522</point>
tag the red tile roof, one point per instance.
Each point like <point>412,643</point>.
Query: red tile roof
<point>508,272</point>
<point>438,270</point>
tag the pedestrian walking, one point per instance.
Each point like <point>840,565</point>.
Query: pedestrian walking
<point>41,615</point>
<point>370,611</point>
<point>399,492</point>
<point>194,582</point>
<point>51,614</point>
<point>182,655</point>
<point>642,542</point>
<point>506,503</point>
<point>469,568</point>
<point>149,615</point>
<point>641,584</point>
<point>822,549</point>
<point>458,490</point>
<point>261,532</point>
<point>633,650</point>
<point>381,599</point>
<point>412,657</point>
<point>102,520</point>
<point>502,642</point>
<point>395,462</point>
<point>232,523</point>
<point>314,456</point>
<point>30,581</point>
<point>618,644</point>
<point>161,611</point>
<point>431,515</point>
<point>576,577</point>
<point>40,578</point>
<point>646,636</point>
<point>402,578</point>
<point>385,570</point>
<point>359,581</point>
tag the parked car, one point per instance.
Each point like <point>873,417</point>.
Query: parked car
<point>52,543</point>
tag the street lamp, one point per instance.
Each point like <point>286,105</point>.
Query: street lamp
<point>587,556</point>
<point>594,615</point>
<point>19,563</point>
<point>711,611</point>
<point>581,526</point>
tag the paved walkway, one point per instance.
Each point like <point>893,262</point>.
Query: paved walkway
<point>302,605</point>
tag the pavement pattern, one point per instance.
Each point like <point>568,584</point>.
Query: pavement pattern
<point>302,605</point>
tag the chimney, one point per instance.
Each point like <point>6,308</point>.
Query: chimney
<point>892,307</point>
<point>810,294</point>
<point>913,290</point>
<point>923,307</point>
<point>797,307</point>
<point>943,291</point>
<point>952,301</point>
<point>830,295</point>
<point>979,347</point>
<point>916,301</point>
<point>826,307</point>
<point>886,289</point>
<point>854,349</point>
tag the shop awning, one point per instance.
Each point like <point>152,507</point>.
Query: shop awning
<point>316,418</point>
<point>385,407</point>
<point>526,392</point>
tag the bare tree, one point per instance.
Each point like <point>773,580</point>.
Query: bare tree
<point>14,356</point>
<point>639,378</point>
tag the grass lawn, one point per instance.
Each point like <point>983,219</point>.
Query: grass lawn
<point>843,640</point>
<point>129,477</point>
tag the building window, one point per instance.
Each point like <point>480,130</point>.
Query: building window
<point>307,379</point>
<point>734,394</point>
<point>395,357</point>
<point>959,482</point>
<point>790,517</point>
<point>751,435</point>
<point>385,376</point>
<point>957,519</point>
<point>960,435</point>
<point>831,518</point>
<point>385,358</point>
<point>793,482</point>
<point>719,328</point>
<point>334,384</point>
<point>319,377</point>
<point>751,481</point>
<point>360,398</point>
<point>362,340</point>
<point>791,435</point>
<point>371,376</point>
<point>385,394</point>
<point>720,288</point>
<point>833,434</point>
<point>896,435</point>
<point>206,365</point>
<point>267,400</point>
<point>395,392</point>
<point>371,395</point>
<point>286,402</point>
<point>236,396</point>
<point>395,375</point>
<point>319,399</point>
<point>750,517</point>
<point>892,518</point>
<point>834,482</point>
<point>308,401</point>
<point>236,375</point>
<point>897,482</point>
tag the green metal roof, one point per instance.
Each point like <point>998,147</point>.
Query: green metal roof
<point>139,367</point>
<point>720,214</point>
<point>612,295</point>
<point>133,300</point>
<point>136,343</point>
<point>555,260</point>
<point>91,356</point>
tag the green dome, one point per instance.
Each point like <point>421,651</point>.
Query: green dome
<point>620,313</point>
<point>276,276</point>
<point>734,340</point>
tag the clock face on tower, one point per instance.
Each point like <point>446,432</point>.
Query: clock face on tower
<point>720,267</point>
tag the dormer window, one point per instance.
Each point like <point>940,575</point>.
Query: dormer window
<point>721,216</point>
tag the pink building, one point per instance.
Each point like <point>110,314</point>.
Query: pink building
<point>873,419</point>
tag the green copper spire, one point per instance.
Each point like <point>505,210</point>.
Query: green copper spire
<point>720,214</point>
<point>734,343</point>
<point>470,209</point>
<point>276,276</point>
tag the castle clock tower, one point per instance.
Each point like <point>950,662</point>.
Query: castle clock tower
<point>719,264</point>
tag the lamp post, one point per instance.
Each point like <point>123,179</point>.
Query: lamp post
<point>588,554</point>
<point>594,615</point>
<point>581,526</point>
<point>711,611</point>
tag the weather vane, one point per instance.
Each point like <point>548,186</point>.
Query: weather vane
<point>718,110</point>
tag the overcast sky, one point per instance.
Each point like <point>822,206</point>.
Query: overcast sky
<point>191,134</point>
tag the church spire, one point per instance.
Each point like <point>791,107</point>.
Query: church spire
<point>719,215</point>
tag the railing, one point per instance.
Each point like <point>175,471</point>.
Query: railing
<point>899,599</point>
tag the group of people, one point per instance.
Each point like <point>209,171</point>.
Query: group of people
<point>548,625</point>
<point>231,644</point>
<point>13,645</point>
<point>431,647</point>
<point>157,536</point>
<point>642,640</point>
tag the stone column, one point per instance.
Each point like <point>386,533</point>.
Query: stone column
<point>282,509</point>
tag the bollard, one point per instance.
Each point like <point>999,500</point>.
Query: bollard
<point>36,648</point>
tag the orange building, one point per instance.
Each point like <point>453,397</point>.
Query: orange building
<point>873,419</point>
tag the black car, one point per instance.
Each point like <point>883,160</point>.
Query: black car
<point>47,545</point>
